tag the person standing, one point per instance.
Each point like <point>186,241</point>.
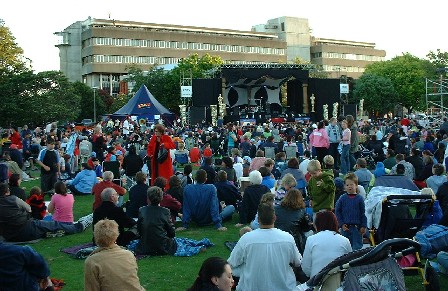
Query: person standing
<point>354,141</point>
<point>350,210</point>
<point>320,141</point>
<point>345,154</point>
<point>334,136</point>
<point>165,168</point>
<point>48,161</point>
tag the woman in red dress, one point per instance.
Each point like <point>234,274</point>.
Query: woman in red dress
<point>164,169</point>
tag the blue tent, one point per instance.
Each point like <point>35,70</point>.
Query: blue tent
<point>143,105</point>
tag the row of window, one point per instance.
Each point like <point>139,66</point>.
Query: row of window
<point>329,68</point>
<point>144,60</point>
<point>346,56</point>
<point>108,41</point>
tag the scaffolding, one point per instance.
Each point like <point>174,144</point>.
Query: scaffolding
<point>186,79</point>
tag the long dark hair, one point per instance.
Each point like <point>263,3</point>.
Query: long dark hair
<point>211,267</point>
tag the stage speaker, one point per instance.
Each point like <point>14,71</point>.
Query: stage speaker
<point>349,109</point>
<point>198,114</point>
<point>206,91</point>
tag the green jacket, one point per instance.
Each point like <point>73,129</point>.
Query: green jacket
<point>354,141</point>
<point>323,195</point>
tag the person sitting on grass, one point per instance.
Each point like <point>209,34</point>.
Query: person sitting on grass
<point>227,192</point>
<point>157,234</point>
<point>110,267</point>
<point>201,204</point>
<point>37,203</point>
<point>108,178</point>
<point>168,201</point>
<point>14,186</point>
<point>17,226</point>
<point>61,204</point>
<point>84,181</point>
<point>109,209</point>
<point>215,274</point>
<point>22,268</point>
<point>137,195</point>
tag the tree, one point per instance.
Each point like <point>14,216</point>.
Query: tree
<point>375,90</point>
<point>439,59</point>
<point>86,102</point>
<point>11,55</point>
<point>407,74</point>
<point>165,85</point>
<point>318,71</point>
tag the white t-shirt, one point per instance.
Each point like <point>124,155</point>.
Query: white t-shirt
<point>303,166</point>
<point>261,259</point>
<point>321,249</point>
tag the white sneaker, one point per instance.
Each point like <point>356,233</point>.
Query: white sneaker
<point>86,221</point>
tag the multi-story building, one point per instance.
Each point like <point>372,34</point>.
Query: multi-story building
<point>99,52</point>
<point>344,58</point>
<point>336,57</point>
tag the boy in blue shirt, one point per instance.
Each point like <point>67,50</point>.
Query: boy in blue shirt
<point>350,212</point>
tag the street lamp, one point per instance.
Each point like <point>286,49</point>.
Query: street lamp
<point>94,104</point>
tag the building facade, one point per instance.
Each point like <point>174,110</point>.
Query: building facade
<point>99,52</point>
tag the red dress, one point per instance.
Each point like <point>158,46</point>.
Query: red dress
<point>164,169</point>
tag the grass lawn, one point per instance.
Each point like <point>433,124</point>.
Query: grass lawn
<point>156,273</point>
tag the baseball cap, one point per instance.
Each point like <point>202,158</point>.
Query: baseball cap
<point>13,147</point>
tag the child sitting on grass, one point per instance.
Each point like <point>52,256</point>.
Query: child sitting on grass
<point>37,203</point>
<point>350,212</point>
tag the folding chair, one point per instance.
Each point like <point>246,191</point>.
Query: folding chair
<point>291,152</point>
<point>269,152</point>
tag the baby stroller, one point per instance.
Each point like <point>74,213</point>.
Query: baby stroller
<point>368,155</point>
<point>401,213</point>
<point>373,268</point>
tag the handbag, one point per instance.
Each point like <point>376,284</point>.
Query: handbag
<point>163,154</point>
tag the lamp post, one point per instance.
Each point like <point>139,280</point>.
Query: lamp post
<point>94,104</point>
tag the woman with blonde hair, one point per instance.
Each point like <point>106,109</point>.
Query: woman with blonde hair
<point>288,182</point>
<point>110,267</point>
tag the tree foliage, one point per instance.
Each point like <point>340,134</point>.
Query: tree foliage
<point>375,90</point>
<point>165,85</point>
<point>29,98</point>
<point>318,71</point>
<point>439,59</point>
<point>407,74</point>
<point>11,55</point>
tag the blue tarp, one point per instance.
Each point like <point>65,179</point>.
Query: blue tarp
<point>143,104</point>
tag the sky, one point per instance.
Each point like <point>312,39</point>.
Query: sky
<point>394,26</point>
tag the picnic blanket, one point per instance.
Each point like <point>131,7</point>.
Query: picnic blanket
<point>374,202</point>
<point>84,250</point>
<point>186,247</point>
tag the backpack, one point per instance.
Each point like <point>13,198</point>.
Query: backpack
<point>432,239</point>
<point>84,149</point>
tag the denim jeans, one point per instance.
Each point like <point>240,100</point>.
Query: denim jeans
<point>227,212</point>
<point>35,229</point>
<point>354,236</point>
<point>345,159</point>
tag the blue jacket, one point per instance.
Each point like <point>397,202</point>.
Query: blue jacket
<point>84,181</point>
<point>20,268</point>
<point>201,205</point>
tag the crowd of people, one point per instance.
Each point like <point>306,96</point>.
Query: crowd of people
<point>205,175</point>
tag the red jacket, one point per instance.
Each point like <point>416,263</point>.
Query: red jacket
<point>164,169</point>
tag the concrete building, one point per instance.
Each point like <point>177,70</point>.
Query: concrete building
<point>344,58</point>
<point>98,52</point>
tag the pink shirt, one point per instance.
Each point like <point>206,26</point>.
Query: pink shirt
<point>319,138</point>
<point>63,207</point>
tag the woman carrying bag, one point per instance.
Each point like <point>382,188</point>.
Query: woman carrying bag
<point>159,148</point>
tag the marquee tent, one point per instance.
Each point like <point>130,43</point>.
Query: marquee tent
<point>143,105</point>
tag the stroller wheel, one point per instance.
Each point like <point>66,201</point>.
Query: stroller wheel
<point>432,278</point>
